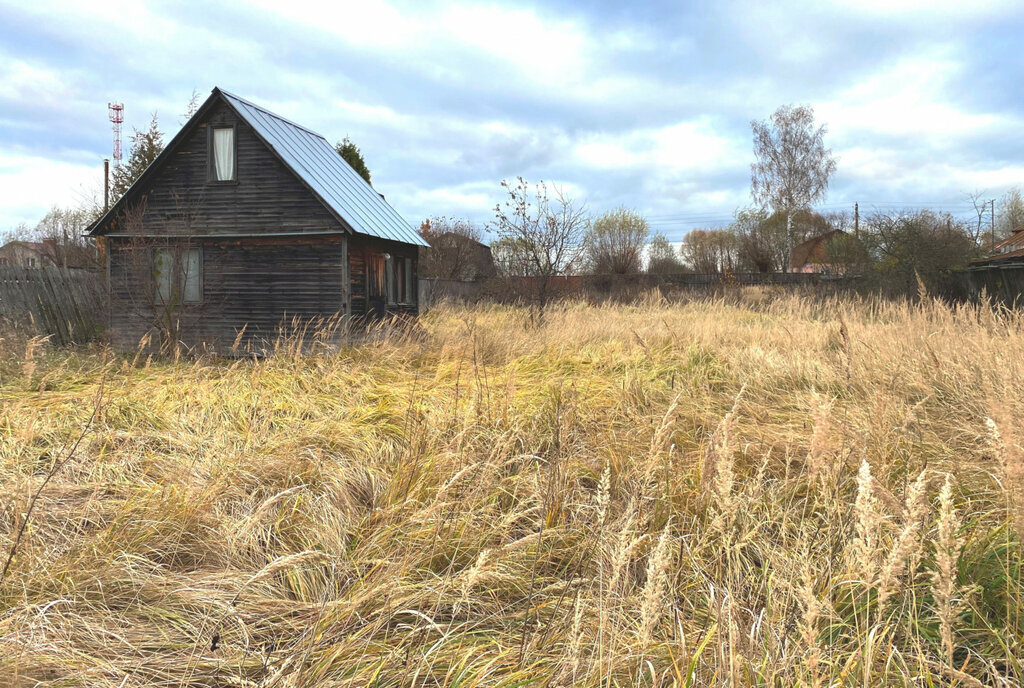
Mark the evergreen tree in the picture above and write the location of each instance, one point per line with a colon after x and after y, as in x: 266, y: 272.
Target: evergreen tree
x: 354, y: 157
x: 146, y: 145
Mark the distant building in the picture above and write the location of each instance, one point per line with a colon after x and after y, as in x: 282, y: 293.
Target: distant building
x: 29, y: 254
x: 1009, y: 250
x: 456, y: 256
x: 820, y: 254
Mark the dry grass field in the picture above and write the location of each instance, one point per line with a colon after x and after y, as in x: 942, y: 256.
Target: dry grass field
x: 756, y: 490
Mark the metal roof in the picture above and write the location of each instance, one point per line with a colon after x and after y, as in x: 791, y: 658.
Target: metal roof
x: 318, y: 164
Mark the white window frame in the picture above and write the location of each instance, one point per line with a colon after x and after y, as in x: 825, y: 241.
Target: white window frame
x: 214, y: 128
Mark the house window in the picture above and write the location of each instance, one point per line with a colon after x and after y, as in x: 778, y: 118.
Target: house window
x: 403, y: 288
x: 390, y: 264
x: 390, y: 278
x: 178, y: 275
x: 222, y: 158
x: 31, y: 262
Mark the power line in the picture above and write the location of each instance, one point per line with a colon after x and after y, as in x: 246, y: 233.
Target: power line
x: 697, y: 217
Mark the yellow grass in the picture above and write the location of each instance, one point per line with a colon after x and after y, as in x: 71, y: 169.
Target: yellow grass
x: 483, y: 501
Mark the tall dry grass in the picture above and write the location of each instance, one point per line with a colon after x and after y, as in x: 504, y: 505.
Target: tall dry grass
x: 759, y: 490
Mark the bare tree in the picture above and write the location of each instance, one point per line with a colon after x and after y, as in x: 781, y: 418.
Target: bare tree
x: 758, y: 240
x: 981, y: 211
x: 510, y: 258
x: 793, y: 165
x: 455, y: 252
x: 1009, y: 213
x: 615, y: 243
x: 190, y: 108
x: 546, y: 232
x: 65, y: 228
x: 661, y: 257
x: 710, y: 250
x: 158, y: 280
x: 909, y: 245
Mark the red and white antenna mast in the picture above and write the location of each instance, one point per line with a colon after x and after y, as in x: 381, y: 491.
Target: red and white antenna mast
x: 116, y: 112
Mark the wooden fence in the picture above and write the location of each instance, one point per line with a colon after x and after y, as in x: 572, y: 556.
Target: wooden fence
x: 432, y: 291
x: 1001, y: 283
x: 65, y: 304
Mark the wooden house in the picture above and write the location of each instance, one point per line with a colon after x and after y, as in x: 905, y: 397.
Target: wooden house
x: 822, y: 254
x: 48, y: 253
x: 246, y: 226
x: 29, y: 254
x: 1008, y: 251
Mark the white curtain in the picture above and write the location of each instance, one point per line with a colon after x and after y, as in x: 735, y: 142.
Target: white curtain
x: 191, y: 271
x: 224, y: 154
x: 163, y: 274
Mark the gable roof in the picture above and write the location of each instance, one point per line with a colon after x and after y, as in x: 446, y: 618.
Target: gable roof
x: 813, y: 250
x: 316, y: 164
x: 47, y: 249
x: 1010, y: 249
x: 1010, y: 243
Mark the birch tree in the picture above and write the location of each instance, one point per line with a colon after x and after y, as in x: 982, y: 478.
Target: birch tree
x: 792, y: 166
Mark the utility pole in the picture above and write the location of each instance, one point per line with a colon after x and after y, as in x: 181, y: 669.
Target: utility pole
x: 992, y: 203
x: 856, y: 220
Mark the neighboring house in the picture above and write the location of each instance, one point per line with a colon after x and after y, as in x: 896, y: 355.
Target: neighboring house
x: 818, y: 255
x: 248, y: 223
x: 29, y: 254
x: 1009, y: 250
x: 480, y: 259
x: 455, y: 256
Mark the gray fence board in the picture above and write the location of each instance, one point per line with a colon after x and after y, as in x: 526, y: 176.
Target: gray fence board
x: 65, y: 304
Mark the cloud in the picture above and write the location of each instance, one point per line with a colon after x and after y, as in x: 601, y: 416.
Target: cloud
x: 640, y: 104
x: 34, y: 184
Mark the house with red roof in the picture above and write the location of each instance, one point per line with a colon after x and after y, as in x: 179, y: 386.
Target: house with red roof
x: 1009, y: 250
x: 29, y: 254
x: 819, y: 255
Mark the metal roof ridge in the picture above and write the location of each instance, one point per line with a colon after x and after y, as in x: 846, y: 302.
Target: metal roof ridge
x: 312, y: 158
x: 269, y: 113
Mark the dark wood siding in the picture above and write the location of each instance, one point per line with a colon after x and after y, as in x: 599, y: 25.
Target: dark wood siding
x: 357, y: 274
x: 266, y: 197
x: 266, y: 286
x: 360, y: 248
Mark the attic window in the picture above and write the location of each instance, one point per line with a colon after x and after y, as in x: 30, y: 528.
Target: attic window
x: 222, y: 154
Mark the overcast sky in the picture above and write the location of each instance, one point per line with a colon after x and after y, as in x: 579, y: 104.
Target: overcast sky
x: 642, y: 104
